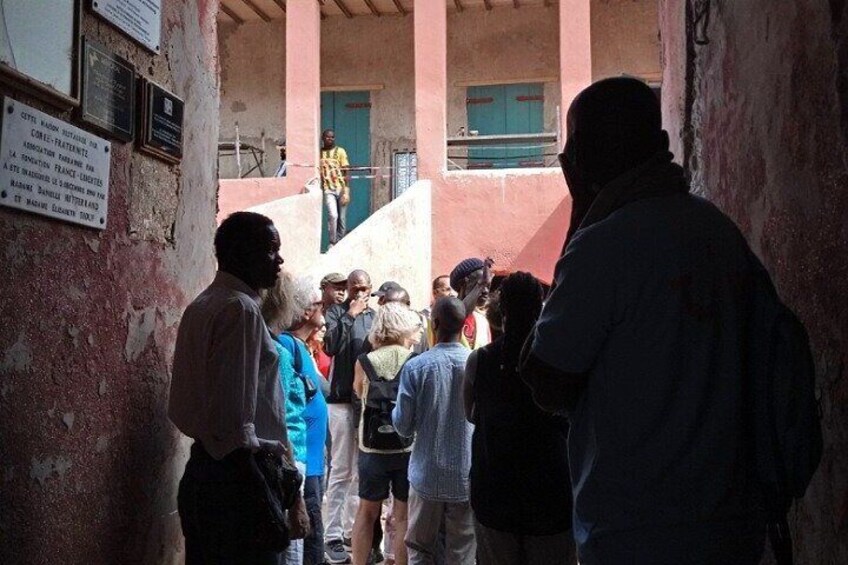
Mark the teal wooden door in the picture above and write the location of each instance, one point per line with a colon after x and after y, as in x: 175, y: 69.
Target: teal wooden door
x: 505, y: 109
x: 349, y: 115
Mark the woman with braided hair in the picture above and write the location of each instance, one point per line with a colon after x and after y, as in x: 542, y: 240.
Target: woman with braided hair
x: 520, y: 490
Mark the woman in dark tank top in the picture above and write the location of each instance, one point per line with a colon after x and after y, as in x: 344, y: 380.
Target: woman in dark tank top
x: 520, y: 487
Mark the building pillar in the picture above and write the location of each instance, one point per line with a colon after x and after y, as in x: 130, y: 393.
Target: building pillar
x: 575, y: 53
x: 430, y: 87
x: 303, y: 89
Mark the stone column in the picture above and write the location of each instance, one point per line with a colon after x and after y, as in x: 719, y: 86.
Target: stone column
x: 303, y: 89
x: 575, y: 52
x: 430, y: 87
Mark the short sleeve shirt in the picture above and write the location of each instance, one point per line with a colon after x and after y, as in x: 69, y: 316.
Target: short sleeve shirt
x: 648, y: 304
x: 333, y: 163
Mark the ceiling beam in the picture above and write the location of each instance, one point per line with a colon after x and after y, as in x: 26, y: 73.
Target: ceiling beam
x: 343, y: 8
x: 488, y: 4
x: 232, y: 15
x: 373, y: 8
x: 281, y: 4
x: 458, y: 5
x: 256, y: 10
x: 400, y: 7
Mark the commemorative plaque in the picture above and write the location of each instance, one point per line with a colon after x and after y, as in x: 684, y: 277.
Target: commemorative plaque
x: 140, y: 19
x: 49, y: 167
x: 108, y: 92
x: 161, y: 131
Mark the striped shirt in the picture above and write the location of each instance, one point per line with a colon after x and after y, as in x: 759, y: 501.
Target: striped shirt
x: 430, y: 407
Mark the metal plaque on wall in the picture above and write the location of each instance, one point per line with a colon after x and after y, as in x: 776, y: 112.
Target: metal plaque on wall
x: 49, y: 167
x: 161, y: 132
x: 140, y: 19
x: 108, y: 92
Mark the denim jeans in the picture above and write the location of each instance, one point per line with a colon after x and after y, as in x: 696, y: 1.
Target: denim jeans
x: 214, y: 515
x: 313, y: 544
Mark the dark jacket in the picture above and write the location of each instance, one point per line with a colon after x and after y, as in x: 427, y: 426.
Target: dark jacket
x: 346, y: 339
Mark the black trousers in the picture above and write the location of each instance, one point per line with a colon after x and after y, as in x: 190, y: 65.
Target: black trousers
x: 214, y: 515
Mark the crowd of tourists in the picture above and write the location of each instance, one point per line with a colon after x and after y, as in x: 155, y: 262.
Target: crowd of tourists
x: 599, y: 418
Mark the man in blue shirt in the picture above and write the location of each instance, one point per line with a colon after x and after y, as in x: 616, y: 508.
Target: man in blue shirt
x: 430, y: 407
x: 642, y: 343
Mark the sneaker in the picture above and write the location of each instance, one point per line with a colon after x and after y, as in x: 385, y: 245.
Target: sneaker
x: 347, y: 543
x: 334, y: 552
x: 376, y: 556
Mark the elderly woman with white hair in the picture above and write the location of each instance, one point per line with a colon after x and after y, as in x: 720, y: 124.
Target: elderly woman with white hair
x: 383, y: 454
x: 293, y: 311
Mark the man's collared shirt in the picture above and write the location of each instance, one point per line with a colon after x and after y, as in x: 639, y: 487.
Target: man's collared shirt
x: 429, y: 406
x: 345, y: 340
x: 225, y: 391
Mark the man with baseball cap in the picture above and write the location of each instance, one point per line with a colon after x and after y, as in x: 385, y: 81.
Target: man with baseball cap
x: 385, y: 289
x: 333, y: 289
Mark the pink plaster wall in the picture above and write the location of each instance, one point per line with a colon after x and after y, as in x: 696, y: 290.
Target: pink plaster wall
x: 89, y: 461
x: 241, y: 194
x: 519, y: 218
x: 768, y: 119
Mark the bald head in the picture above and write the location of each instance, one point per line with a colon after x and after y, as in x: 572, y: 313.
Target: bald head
x: 448, y: 318
x: 613, y: 125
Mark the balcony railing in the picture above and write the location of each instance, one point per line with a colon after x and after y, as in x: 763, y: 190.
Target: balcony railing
x: 508, y: 151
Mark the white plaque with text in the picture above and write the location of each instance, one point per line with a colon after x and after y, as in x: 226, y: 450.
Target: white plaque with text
x: 140, y: 19
x: 49, y: 167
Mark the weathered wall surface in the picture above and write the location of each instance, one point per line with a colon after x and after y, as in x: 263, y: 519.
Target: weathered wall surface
x: 89, y: 460
x: 625, y: 39
x: 767, y: 117
x: 396, y: 246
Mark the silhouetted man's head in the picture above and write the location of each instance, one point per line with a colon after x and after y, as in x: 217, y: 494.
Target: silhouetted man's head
x: 613, y: 126
x: 448, y: 318
x: 247, y: 246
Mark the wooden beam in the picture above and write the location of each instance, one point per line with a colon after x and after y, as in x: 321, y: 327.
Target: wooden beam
x: 281, y: 4
x: 458, y: 5
x: 373, y: 8
x: 400, y: 7
x: 343, y: 8
x: 256, y: 10
x: 488, y: 4
x: 232, y: 15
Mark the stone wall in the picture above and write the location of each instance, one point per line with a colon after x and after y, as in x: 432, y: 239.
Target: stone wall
x: 89, y: 459
x: 759, y: 116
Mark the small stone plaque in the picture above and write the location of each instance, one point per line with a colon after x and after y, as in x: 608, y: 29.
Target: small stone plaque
x: 49, y: 167
x: 162, y: 123
x: 108, y: 93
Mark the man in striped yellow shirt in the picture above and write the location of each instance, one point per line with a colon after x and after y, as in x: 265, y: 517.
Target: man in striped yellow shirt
x: 335, y: 182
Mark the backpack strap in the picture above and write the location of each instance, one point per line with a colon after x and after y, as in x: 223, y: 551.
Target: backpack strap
x: 368, y: 367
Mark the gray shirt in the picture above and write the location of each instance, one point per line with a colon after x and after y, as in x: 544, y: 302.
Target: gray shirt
x: 225, y: 389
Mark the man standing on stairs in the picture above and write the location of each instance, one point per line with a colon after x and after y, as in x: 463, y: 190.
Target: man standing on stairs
x: 335, y: 182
